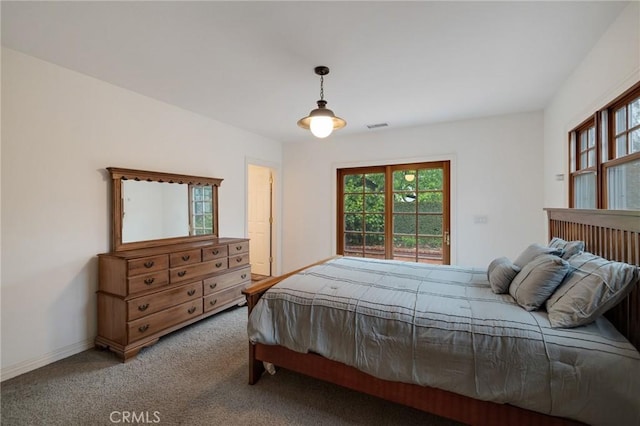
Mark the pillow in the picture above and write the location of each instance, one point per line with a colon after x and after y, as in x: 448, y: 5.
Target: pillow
x: 533, y: 251
x: 500, y: 274
x: 537, y: 280
x: 569, y: 248
x: 593, y: 286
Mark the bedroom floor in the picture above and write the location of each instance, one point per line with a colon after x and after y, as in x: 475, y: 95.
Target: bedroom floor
x: 195, y: 376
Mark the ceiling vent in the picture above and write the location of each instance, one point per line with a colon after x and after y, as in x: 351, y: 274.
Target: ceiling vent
x: 377, y: 125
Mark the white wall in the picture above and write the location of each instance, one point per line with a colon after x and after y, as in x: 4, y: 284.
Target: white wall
x: 611, y: 67
x: 496, y: 172
x: 60, y: 129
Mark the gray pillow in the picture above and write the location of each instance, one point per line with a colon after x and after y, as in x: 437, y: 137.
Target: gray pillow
x: 593, y: 286
x: 500, y: 274
x: 533, y: 251
x: 569, y: 248
x: 537, y: 281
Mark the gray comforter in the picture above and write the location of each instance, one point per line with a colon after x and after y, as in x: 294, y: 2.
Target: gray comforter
x: 443, y: 327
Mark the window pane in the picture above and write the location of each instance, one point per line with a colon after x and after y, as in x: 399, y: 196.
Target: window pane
x: 585, y: 191
x: 592, y: 157
x: 353, y: 203
x: 430, y: 202
x: 374, y: 222
x: 621, y: 146
x: 583, y: 141
x: 198, y: 208
x: 374, y: 203
x: 404, y: 248
x: 634, y: 113
x: 592, y: 137
x: 430, y: 179
x: 207, y: 193
x: 404, y: 202
x: 404, y: 224
x: 374, y: 182
x: 404, y: 180
x: 353, y: 222
x: 429, y: 224
x: 635, y: 141
x: 353, y: 183
x: 621, y: 120
x: 352, y: 242
x: 197, y: 193
x: 374, y: 244
x: 583, y: 160
x: 623, y: 186
x: 430, y: 248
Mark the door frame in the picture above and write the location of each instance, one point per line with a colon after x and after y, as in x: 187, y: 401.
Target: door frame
x: 276, y: 209
x: 453, y: 208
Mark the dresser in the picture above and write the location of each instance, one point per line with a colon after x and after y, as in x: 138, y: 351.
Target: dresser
x: 146, y: 293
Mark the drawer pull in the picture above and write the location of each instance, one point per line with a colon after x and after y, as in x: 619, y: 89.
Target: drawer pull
x: 216, y: 251
x: 185, y: 257
x: 149, y: 264
x: 192, y: 309
x: 182, y: 273
x: 143, y: 307
x: 143, y: 328
x: 149, y: 281
x: 213, y: 302
x: 191, y: 292
x: 219, y: 264
x: 239, y: 259
x: 243, y: 276
x: 212, y: 286
x: 238, y: 248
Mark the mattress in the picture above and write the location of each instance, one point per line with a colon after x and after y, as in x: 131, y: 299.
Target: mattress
x: 442, y: 326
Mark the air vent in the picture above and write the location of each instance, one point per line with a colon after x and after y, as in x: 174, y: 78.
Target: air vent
x: 377, y: 125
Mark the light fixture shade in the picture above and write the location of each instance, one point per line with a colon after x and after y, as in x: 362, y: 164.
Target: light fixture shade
x: 321, y: 121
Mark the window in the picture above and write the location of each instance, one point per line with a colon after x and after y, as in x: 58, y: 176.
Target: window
x: 201, y: 209
x: 583, y: 166
x: 605, y: 157
x: 395, y: 212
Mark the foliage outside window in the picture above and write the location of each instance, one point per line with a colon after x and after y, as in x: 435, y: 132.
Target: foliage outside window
x: 605, y: 157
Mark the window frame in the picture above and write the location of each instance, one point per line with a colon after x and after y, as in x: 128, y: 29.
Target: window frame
x: 605, y: 146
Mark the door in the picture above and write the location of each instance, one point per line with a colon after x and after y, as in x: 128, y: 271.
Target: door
x: 395, y: 212
x: 260, y: 220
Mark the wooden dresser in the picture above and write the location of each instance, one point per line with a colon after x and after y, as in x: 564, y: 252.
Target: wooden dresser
x: 146, y: 293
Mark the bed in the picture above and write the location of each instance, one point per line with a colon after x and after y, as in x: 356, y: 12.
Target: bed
x: 613, y: 342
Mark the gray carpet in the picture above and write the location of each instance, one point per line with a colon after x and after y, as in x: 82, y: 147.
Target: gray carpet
x: 195, y: 376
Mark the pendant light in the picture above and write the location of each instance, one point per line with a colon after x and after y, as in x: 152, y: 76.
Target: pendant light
x: 321, y: 121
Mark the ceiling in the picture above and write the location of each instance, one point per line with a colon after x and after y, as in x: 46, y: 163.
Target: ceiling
x: 250, y: 64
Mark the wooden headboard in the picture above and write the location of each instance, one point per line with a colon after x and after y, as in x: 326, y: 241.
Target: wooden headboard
x: 614, y: 235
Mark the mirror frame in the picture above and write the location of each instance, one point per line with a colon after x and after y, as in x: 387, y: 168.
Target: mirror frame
x: 118, y: 175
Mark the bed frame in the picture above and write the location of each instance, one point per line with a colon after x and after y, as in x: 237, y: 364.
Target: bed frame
x: 612, y: 234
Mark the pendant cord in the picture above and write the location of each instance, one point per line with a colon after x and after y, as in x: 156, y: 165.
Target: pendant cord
x: 322, y: 88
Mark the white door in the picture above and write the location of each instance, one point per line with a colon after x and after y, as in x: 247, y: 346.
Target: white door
x: 260, y: 181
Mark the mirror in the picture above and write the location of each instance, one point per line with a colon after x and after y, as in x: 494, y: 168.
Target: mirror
x: 154, y: 208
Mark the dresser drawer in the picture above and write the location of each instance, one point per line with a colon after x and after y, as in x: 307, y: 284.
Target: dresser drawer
x: 238, y: 260
x: 222, y: 281
x: 194, y: 271
x: 185, y: 258
x: 145, y: 305
x: 238, y: 248
x: 154, y: 323
x: 147, y: 282
x: 146, y: 265
x: 217, y: 252
x: 215, y: 300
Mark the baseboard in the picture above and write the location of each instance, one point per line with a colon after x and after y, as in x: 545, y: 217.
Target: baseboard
x: 26, y: 366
